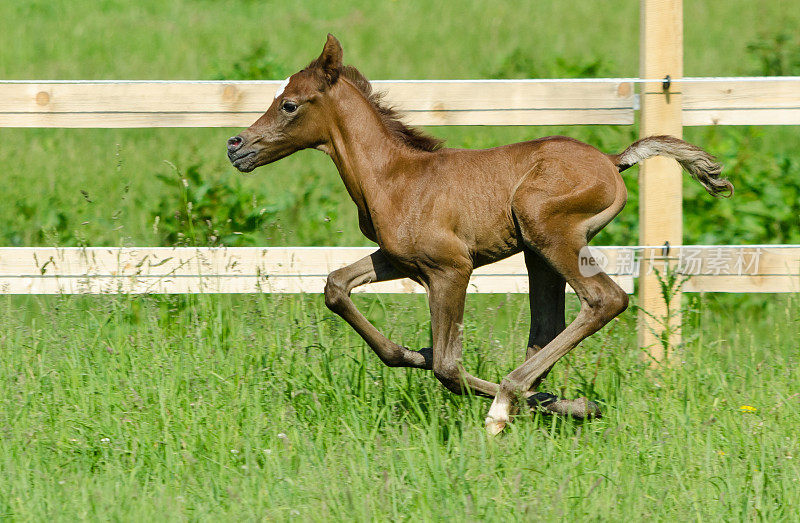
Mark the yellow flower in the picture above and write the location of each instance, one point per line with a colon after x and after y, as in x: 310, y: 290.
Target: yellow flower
x: 747, y: 408
x: 720, y: 453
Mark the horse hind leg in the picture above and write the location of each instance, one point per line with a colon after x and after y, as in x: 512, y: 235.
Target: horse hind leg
x: 547, y: 303
x: 601, y: 300
x: 559, y: 239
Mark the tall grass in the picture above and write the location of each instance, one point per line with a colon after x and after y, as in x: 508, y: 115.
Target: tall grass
x: 269, y: 407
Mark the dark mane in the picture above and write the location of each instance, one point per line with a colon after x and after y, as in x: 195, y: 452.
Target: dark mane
x: 411, y: 136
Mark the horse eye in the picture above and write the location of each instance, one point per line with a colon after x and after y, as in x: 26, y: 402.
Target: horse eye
x: 289, y: 107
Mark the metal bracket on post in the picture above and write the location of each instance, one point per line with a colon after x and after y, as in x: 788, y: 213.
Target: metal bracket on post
x: 665, y: 84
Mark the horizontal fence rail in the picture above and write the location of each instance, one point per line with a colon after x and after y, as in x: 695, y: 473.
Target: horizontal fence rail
x: 740, y: 101
x: 238, y: 104
x: 165, y: 270
x: 120, y: 104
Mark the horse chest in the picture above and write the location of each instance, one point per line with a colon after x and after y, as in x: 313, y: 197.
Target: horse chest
x: 366, y: 225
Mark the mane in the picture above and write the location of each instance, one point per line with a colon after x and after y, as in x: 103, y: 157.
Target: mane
x: 411, y: 136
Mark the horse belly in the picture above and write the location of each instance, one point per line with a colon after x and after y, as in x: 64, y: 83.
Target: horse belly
x: 494, y: 244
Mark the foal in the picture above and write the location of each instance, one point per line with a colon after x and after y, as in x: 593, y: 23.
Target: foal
x: 438, y: 213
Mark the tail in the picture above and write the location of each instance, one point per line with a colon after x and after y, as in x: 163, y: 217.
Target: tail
x: 696, y: 161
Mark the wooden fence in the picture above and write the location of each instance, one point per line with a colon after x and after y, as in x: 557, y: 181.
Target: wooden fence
x: 668, y: 102
x: 124, y: 104
x: 179, y: 270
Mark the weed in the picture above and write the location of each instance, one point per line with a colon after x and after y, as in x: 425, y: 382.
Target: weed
x: 258, y: 64
x: 777, y: 54
x: 193, y: 210
x: 670, y: 280
x: 520, y: 63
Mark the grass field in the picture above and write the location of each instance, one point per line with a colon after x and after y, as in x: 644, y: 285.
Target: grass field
x: 270, y: 407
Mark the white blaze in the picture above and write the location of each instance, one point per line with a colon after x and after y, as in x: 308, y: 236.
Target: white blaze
x: 281, y: 87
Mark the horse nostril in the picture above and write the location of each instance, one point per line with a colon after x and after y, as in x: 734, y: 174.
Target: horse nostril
x: 234, y: 143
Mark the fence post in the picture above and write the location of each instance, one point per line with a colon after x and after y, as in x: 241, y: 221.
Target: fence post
x: 660, y: 193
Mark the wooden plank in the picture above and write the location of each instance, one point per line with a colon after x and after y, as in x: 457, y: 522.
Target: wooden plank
x: 182, y: 261
x: 156, y: 270
x: 743, y: 117
x: 153, y: 120
x: 528, y: 102
x: 244, y: 285
x: 74, y: 262
x: 762, y: 101
x: 709, y: 268
x: 747, y: 284
x: 255, y: 97
x: 741, y: 102
x: 752, y: 269
x: 660, y: 179
x: 229, y: 104
x: 125, y: 120
x: 104, y: 270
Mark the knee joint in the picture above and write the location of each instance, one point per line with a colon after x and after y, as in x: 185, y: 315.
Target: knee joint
x: 335, y: 293
x: 607, y: 305
x: 449, y: 375
x: 617, y: 302
x: 510, y: 387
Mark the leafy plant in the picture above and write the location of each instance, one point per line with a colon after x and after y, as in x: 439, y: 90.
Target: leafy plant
x: 766, y: 206
x: 670, y: 281
x: 520, y: 63
x: 196, y: 211
x: 47, y: 221
x: 258, y: 64
x: 778, y: 54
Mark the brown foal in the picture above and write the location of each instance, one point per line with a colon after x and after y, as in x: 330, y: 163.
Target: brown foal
x: 438, y: 213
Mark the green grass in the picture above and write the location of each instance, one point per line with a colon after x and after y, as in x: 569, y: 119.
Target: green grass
x: 270, y: 407
x: 254, y: 407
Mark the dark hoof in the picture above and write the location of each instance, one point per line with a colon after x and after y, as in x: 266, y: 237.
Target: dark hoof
x: 427, y: 354
x: 541, y: 399
x: 580, y: 408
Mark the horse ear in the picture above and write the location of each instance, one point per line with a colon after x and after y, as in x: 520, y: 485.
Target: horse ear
x: 330, y: 61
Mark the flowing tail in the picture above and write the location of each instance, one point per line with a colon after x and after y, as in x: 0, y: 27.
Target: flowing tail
x: 696, y: 161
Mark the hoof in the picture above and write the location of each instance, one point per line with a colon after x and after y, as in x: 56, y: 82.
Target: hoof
x: 494, y: 427
x: 420, y: 359
x: 498, y: 416
x: 580, y: 408
x: 427, y: 353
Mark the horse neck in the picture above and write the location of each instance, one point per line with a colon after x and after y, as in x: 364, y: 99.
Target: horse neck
x: 360, y: 145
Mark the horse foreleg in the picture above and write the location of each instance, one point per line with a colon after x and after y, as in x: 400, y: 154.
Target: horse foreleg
x: 374, y: 268
x: 446, y: 296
